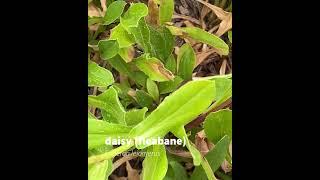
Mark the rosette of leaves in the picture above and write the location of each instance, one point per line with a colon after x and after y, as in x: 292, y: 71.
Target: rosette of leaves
x: 143, y: 90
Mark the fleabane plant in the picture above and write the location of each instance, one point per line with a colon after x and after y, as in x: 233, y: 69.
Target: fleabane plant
x: 143, y: 91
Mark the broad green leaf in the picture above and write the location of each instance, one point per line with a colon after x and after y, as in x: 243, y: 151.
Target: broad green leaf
x: 170, y: 86
x: 135, y: 116
x: 113, y: 12
x: 109, y: 102
x: 218, y: 124
x: 186, y: 61
x: 205, y: 37
x: 141, y: 35
x: 223, y: 91
x: 99, y: 130
x: 162, y: 42
x: 127, y: 53
x: 166, y: 11
x: 230, y: 36
x: 108, y: 48
x: 158, y: 43
x: 100, y: 170
x: 155, y: 165
x: 122, y: 36
x: 133, y: 15
x: 215, y: 158
x: 176, y: 171
x: 99, y: 76
x: 153, y: 68
x: 196, y: 155
x: 153, y: 90
x: 176, y: 110
x: 144, y: 99
x: 171, y: 64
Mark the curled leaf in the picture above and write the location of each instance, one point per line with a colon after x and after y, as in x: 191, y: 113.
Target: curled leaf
x: 133, y: 15
x: 113, y: 12
x: 108, y: 48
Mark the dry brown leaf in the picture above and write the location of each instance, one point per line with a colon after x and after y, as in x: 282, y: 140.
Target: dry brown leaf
x: 202, y: 143
x: 114, y: 177
x: 224, y: 16
x: 104, y: 6
x: 93, y: 11
x: 153, y: 16
x: 226, y: 166
x: 223, y: 67
x: 133, y: 174
x: 191, y: 19
x: 200, y: 57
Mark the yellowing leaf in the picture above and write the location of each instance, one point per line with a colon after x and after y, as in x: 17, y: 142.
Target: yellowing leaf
x: 127, y: 53
x: 153, y: 68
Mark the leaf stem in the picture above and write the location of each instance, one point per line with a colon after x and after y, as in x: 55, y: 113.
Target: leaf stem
x: 109, y: 154
x: 207, y: 169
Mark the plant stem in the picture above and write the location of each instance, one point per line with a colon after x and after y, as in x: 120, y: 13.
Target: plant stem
x: 108, y: 155
x: 207, y: 169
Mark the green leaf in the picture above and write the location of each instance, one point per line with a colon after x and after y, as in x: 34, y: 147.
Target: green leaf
x: 176, y: 110
x: 176, y: 171
x: 162, y: 42
x: 153, y: 90
x: 158, y: 43
x: 218, y: 124
x: 215, y: 158
x: 230, y: 36
x: 144, y: 99
x: 171, y: 64
x: 207, y: 38
x: 108, y: 48
x: 99, y: 130
x: 113, y: 12
x: 135, y: 116
x: 121, y: 66
x: 223, y: 91
x: 170, y: 86
x: 133, y: 15
x: 186, y: 61
x: 196, y: 155
x: 155, y: 165
x: 153, y: 68
x: 99, y: 76
x: 100, y: 170
x: 166, y: 10
x: 109, y: 102
x: 122, y: 36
